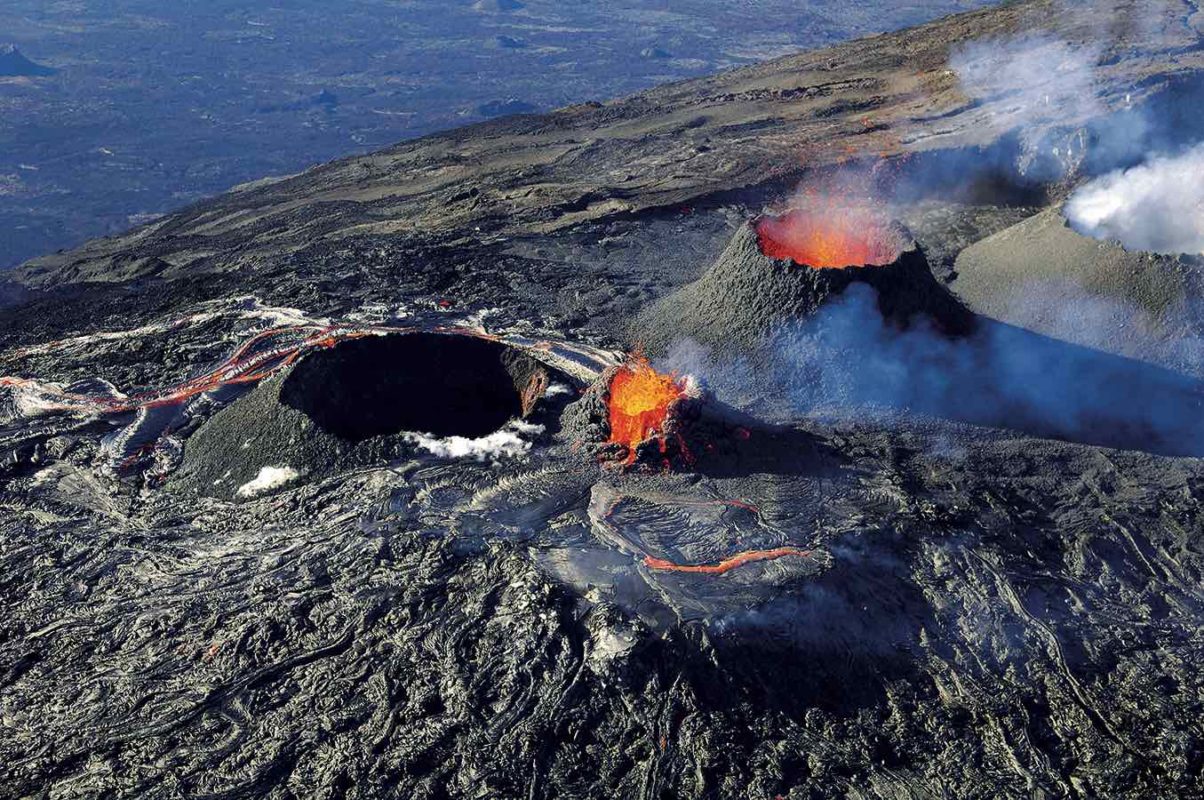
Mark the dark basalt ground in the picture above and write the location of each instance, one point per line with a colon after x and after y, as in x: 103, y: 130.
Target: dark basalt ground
x: 1000, y: 599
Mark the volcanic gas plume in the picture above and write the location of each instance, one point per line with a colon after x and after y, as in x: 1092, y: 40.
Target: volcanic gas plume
x: 1156, y: 206
x: 823, y: 239
x: 640, y: 400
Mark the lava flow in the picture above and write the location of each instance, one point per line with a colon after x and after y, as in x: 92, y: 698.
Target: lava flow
x: 830, y: 238
x: 640, y: 400
x: 727, y: 564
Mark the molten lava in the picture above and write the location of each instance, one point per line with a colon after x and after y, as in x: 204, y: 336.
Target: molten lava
x: 830, y: 238
x: 727, y: 564
x: 640, y: 398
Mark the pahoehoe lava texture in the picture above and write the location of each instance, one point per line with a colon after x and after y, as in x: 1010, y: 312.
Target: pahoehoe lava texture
x: 969, y: 611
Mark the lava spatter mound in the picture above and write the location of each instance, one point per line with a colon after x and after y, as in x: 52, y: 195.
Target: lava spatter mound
x: 777, y: 270
x: 368, y: 401
x: 637, y: 418
x: 634, y: 414
x: 641, y: 404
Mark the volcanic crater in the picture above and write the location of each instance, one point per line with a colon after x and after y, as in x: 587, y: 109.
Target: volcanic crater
x: 780, y: 269
x: 436, y: 383
x: 370, y: 399
x: 468, y: 540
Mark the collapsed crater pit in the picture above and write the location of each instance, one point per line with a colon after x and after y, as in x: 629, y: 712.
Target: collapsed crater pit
x: 441, y: 384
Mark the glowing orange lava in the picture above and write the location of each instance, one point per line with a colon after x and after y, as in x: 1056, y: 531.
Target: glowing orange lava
x: 830, y: 238
x: 640, y: 398
x: 727, y: 564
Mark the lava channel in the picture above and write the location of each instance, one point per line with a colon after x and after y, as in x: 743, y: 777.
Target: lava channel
x: 727, y: 564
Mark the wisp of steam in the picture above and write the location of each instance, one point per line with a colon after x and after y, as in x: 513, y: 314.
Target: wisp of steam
x: 1157, y: 206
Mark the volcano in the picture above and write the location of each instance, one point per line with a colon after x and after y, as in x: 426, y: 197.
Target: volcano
x: 373, y: 491
x: 368, y: 400
x: 778, y: 270
x: 1044, y: 276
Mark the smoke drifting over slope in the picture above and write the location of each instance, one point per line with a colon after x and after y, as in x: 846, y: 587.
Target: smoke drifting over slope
x: 1001, y: 376
x: 1029, y: 82
x: 847, y: 356
x: 1037, y: 77
x: 1157, y: 206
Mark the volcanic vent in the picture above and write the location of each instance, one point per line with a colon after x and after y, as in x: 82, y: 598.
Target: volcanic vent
x: 823, y: 241
x: 780, y: 268
x: 633, y: 412
x: 372, y: 399
x: 444, y: 385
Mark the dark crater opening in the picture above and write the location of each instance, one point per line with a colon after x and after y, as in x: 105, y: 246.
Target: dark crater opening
x: 441, y: 384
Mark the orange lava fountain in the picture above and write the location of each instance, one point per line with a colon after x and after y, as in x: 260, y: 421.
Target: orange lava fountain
x: 640, y: 398
x: 830, y: 238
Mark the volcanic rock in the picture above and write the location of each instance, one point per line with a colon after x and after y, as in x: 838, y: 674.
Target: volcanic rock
x: 1000, y: 613
x: 746, y: 295
x: 577, y: 165
x: 364, y: 401
x: 684, y: 540
x: 1042, y: 275
x: 698, y: 434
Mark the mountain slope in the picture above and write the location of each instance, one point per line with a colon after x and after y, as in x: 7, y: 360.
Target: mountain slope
x: 885, y: 95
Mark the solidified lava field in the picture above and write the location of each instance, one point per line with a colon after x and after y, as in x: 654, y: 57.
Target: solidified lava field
x: 509, y: 463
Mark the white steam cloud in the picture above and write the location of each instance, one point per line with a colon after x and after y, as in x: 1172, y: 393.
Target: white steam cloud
x: 269, y: 478
x: 1157, y: 206
x: 1028, y: 79
x: 1042, y: 88
x: 507, y: 442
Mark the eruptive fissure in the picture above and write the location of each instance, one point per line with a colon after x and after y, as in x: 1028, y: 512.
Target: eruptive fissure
x: 639, y: 404
x: 827, y: 240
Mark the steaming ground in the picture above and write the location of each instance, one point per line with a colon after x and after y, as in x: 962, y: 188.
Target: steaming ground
x: 995, y: 576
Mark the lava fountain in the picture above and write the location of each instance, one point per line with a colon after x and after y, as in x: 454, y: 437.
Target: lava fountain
x: 639, y: 404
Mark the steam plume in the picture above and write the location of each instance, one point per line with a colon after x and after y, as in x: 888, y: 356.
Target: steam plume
x: 1158, y: 206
